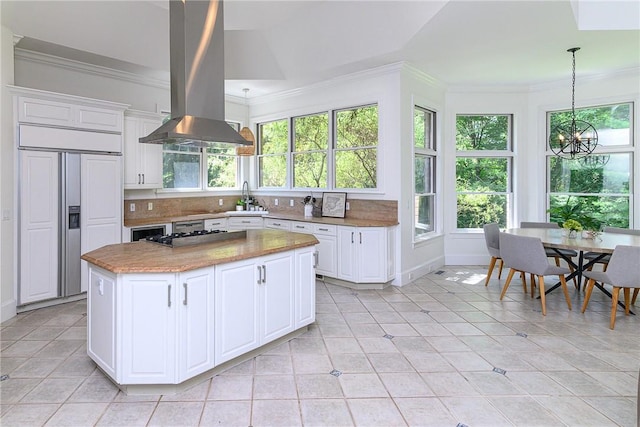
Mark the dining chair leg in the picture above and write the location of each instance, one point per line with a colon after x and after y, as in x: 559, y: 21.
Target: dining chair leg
x: 635, y: 296
x: 507, y: 283
x: 542, y: 295
x: 533, y: 284
x: 614, y: 306
x: 492, y: 264
x: 627, y: 300
x: 563, y: 282
x: 587, y: 295
x: 500, y: 271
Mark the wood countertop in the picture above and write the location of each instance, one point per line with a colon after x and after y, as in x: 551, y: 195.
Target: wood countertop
x: 148, y: 257
x: 274, y: 215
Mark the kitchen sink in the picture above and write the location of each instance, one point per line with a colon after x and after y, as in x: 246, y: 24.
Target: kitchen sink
x: 247, y: 213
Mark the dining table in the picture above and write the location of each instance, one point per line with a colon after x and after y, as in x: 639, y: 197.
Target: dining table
x: 558, y: 238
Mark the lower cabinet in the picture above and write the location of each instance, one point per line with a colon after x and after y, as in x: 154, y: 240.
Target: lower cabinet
x: 164, y: 328
x: 254, y: 304
x: 365, y: 254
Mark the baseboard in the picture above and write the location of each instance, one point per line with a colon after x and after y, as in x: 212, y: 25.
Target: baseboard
x: 8, y: 310
x: 467, y: 260
x: 417, y: 272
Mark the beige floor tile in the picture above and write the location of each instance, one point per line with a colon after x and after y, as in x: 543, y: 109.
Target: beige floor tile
x: 524, y: 411
x: 351, y: 363
x: 125, y: 414
x: 13, y: 333
x: 335, y: 330
x: 275, y: 413
x: 574, y: 411
x: 474, y: 411
x: 307, y: 345
x: 60, y: 348
x: 227, y: 413
x: 325, y: 412
x: 621, y: 382
x: 492, y: 384
x: 318, y: 386
x: 95, y: 389
x: 377, y: 345
x: 24, y: 348
x: 273, y: 364
x: 80, y: 366
x: 177, y: 414
x: 537, y: 384
x: 362, y: 386
x: 405, y: 384
x: 64, y: 320
x: 446, y: 384
x: 375, y: 412
x: 74, y: 333
x: 342, y: 345
x: 467, y: 361
x: 311, y: 363
x: 366, y: 330
x: 36, y: 368
x: 447, y: 343
x: 44, y: 333
x: 77, y: 414
x: 508, y: 361
x: 14, y: 389
x: 28, y: 415
x: 389, y: 362
x: 231, y: 387
x: 582, y: 384
x: 428, y: 362
x: 52, y: 390
x: 620, y: 410
x: 274, y: 387
x: 425, y: 411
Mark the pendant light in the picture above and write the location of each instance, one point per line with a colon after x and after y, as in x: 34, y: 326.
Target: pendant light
x: 573, y: 139
x: 245, y: 132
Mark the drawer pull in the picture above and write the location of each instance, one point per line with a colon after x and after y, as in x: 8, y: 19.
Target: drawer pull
x: 259, y: 274
x: 169, y: 296
x: 184, y: 302
x: 323, y: 229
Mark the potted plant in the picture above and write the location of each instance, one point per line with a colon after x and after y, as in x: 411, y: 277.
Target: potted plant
x: 239, y: 205
x: 573, y: 226
x: 309, y: 203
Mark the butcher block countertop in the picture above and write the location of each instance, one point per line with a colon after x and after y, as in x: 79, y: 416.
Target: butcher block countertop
x: 291, y: 217
x: 149, y: 257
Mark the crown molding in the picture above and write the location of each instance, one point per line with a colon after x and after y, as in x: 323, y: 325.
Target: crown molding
x: 83, y: 67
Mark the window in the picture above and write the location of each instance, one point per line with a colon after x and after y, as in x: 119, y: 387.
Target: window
x: 424, y: 157
x: 595, y: 190
x: 310, y: 146
x: 343, y: 159
x: 273, y: 141
x: 484, y: 156
x: 194, y: 168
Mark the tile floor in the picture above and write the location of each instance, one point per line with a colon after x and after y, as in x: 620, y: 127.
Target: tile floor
x: 442, y: 351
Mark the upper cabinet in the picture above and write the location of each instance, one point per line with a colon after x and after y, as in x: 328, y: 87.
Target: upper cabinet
x: 142, y: 162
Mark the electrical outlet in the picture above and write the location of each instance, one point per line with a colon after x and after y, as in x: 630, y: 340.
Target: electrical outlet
x: 219, y: 202
x: 291, y: 202
x: 275, y: 202
x: 132, y: 207
x: 347, y: 206
x: 150, y: 206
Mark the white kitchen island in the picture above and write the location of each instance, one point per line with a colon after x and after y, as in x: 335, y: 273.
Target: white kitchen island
x: 161, y: 319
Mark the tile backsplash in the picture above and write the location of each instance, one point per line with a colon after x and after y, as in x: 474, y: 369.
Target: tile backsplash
x: 181, y: 206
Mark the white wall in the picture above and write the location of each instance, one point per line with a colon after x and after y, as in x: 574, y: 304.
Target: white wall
x: 7, y: 206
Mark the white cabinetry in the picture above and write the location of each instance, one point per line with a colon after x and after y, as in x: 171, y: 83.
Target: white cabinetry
x: 101, y: 201
x: 277, y: 224
x: 147, y: 315
x: 142, y: 162
x: 215, y: 224
x: 254, y: 304
x: 305, y: 291
x: 365, y: 254
x: 327, y: 257
x: 195, y: 322
x: 244, y: 223
x: 39, y: 226
x: 101, y: 325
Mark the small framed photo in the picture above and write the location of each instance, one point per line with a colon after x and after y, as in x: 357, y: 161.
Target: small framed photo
x: 333, y: 204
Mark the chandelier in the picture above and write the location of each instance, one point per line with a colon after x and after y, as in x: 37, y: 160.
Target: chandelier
x: 573, y: 139
x: 245, y: 132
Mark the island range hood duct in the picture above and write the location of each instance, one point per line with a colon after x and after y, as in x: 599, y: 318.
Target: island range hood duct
x: 196, y: 33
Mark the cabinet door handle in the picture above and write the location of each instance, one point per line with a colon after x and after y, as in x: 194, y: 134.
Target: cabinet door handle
x: 277, y: 224
x: 100, y: 286
x: 299, y: 226
x: 138, y: 178
x: 246, y: 222
x: 323, y: 229
x: 264, y: 274
x: 352, y: 237
x: 184, y: 302
x: 169, y: 296
x: 259, y: 274
x: 360, y: 237
x: 143, y: 178
x: 316, y: 255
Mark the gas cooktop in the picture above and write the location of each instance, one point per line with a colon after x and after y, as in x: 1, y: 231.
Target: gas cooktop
x: 196, y: 237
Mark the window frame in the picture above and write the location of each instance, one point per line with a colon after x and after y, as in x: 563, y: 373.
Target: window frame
x: 628, y: 148
x: 330, y: 153
x: 508, y: 154
x: 428, y: 151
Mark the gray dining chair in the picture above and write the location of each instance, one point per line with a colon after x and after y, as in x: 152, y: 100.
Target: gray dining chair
x: 492, y: 239
x: 623, y: 272
x: 590, y: 256
x: 527, y: 255
x: 551, y: 253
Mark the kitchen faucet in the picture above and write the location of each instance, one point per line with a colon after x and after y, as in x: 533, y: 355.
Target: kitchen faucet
x: 245, y: 194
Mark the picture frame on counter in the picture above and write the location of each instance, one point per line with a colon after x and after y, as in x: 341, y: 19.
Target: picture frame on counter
x: 333, y: 204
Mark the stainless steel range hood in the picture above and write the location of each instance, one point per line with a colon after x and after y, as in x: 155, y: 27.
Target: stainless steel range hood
x: 196, y: 33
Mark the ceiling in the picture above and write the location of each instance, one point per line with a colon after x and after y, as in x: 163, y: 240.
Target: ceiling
x: 273, y: 46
